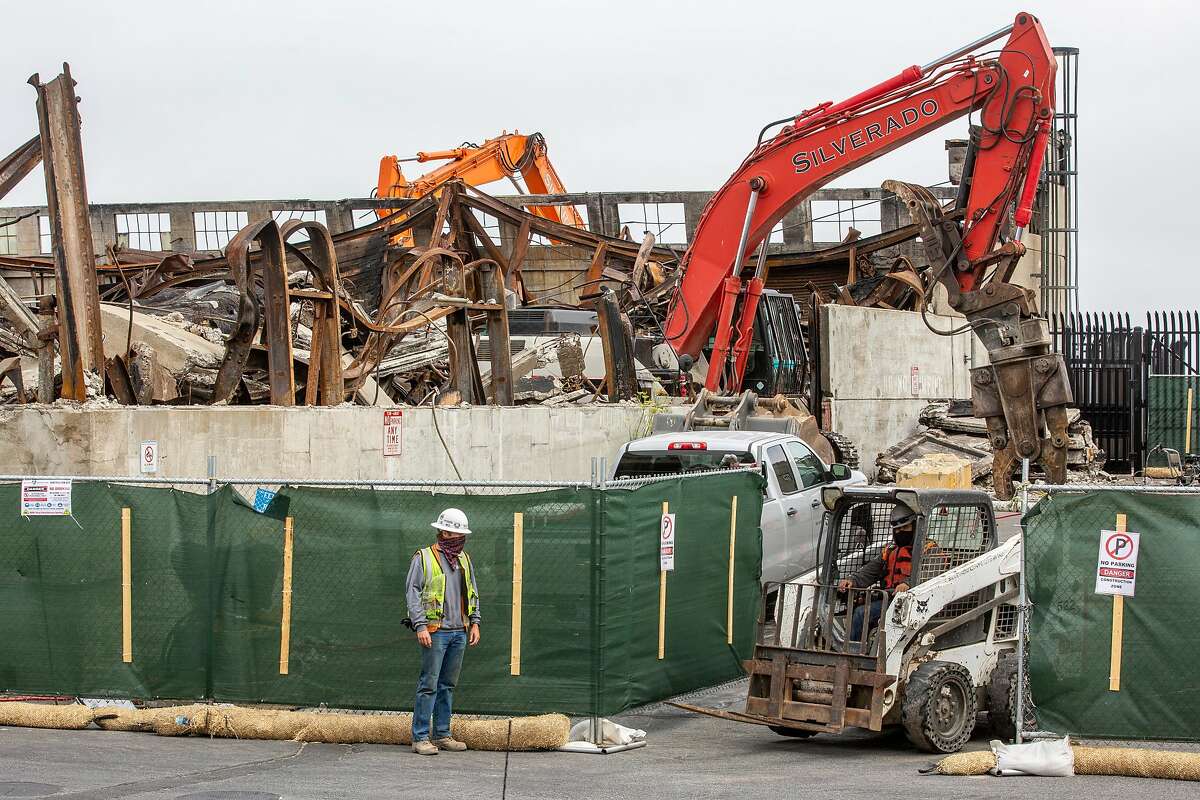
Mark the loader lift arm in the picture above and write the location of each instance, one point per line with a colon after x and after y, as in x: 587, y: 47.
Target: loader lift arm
x: 1024, y: 390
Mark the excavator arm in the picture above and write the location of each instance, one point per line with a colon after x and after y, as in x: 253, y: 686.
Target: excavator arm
x: 505, y: 156
x: 1024, y: 390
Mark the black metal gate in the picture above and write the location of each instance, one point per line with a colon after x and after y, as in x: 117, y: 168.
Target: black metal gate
x: 1103, y: 354
x: 1113, y: 365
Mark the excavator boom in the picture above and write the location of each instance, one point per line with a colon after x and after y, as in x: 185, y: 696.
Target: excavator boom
x: 1024, y: 389
x: 506, y: 156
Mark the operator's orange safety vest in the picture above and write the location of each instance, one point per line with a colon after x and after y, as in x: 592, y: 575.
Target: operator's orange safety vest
x: 897, y: 563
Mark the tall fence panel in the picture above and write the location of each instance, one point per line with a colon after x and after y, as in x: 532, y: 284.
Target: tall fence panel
x: 1130, y: 381
x: 692, y: 607
x: 1103, y: 354
x: 1107, y: 668
x: 61, y: 594
x: 302, y: 604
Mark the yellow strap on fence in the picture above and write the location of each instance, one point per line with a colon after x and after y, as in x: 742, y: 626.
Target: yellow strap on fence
x: 1118, y: 628
x: 285, y: 626
x: 518, y: 566
x: 732, y: 543
x: 126, y: 586
x: 662, y: 604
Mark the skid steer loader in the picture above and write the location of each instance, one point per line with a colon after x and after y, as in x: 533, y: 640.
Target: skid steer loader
x: 941, y: 651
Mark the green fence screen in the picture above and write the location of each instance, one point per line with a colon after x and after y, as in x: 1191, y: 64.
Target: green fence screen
x: 207, y: 595
x: 1071, y: 630
x: 1167, y: 411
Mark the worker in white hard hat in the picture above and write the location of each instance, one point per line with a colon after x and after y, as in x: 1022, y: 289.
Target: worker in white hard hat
x: 443, y: 607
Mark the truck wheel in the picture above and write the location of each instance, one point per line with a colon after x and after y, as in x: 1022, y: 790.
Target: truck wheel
x: 1002, y: 698
x: 843, y: 449
x: 939, y: 707
x: 796, y: 733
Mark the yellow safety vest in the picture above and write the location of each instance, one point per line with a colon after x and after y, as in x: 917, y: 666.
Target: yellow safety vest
x: 433, y: 591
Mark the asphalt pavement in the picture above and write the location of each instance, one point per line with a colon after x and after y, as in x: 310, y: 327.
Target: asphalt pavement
x: 688, y: 756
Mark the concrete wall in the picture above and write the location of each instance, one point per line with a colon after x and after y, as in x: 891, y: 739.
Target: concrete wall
x: 487, y: 442
x: 869, y: 356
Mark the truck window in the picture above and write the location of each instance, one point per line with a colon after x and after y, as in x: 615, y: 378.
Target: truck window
x: 807, y: 465
x: 782, y: 468
x: 635, y: 464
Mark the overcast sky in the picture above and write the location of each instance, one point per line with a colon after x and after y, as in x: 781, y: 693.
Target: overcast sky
x: 239, y: 100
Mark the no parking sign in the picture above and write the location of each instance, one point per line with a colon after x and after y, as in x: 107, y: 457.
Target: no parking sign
x: 1116, y: 567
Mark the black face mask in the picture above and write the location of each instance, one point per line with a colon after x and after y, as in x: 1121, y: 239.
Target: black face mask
x: 902, y: 537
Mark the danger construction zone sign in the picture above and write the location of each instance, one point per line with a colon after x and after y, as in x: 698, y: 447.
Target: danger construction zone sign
x: 1116, y: 567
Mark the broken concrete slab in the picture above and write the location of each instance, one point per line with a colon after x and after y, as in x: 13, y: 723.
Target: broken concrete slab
x: 936, y: 471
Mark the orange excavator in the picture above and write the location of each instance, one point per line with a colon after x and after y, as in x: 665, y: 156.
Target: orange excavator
x: 506, y: 156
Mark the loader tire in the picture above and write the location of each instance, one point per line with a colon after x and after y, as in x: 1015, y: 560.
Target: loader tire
x: 795, y: 733
x: 938, y: 711
x: 1002, y: 698
x: 844, y: 449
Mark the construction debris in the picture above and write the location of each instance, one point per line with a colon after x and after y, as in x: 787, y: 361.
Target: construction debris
x: 949, y: 430
x: 290, y: 314
x: 436, y: 321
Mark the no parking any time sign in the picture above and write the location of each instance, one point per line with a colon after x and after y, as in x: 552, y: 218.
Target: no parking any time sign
x: 1116, y: 568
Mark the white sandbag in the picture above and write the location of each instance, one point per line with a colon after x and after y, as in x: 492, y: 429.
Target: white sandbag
x: 610, y: 733
x: 1049, y: 759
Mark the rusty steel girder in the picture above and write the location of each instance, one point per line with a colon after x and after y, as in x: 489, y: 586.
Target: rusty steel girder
x: 277, y: 329
x: 78, y: 293
x: 1023, y: 393
x: 325, y: 383
x: 19, y: 163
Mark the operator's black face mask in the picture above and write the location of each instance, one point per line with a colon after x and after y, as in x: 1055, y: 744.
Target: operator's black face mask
x: 903, y: 537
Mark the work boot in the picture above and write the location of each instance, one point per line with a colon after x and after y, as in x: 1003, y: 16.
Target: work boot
x: 450, y: 743
x: 425, y: 748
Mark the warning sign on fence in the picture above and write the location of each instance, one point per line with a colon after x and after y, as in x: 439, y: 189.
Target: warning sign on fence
x: 149, y: 451
x: 42, y: 498
x: 666, y: 543
x: 1116, y: 568
x: 393, y: 432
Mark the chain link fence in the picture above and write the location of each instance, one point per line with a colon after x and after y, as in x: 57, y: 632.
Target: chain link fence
x: 1103, y: 665
x: 186, y: 589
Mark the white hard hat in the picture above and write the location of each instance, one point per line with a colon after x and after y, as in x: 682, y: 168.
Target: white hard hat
x: 452, y: 521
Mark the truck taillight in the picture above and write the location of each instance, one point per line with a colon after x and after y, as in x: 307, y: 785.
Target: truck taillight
x: 687, y: 446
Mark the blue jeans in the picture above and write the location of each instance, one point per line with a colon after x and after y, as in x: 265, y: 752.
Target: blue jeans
x: 864, y: 619
x: 440, y: 664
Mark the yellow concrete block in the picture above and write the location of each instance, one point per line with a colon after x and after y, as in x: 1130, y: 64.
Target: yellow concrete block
x: 936, y: 471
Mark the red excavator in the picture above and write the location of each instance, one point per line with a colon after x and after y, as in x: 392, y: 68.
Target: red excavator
x: 972, y: 247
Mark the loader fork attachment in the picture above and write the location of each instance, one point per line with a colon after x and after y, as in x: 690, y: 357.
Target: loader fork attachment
x: 1023, y: 393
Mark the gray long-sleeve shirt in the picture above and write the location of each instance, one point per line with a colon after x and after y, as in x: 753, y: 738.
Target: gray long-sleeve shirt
x: 455, y: 583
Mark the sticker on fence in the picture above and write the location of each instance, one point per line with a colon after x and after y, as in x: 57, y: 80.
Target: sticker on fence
x: 666, y: 543
x: 262, y: 500
x: 42, y: 498
x: 393, y: 432
x: 1116, y: 568
x: 149, y: 451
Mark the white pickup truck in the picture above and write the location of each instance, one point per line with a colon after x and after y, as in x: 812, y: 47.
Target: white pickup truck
x: 791, y: 512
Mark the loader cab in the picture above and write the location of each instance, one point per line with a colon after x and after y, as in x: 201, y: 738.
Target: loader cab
x: 952, y: 527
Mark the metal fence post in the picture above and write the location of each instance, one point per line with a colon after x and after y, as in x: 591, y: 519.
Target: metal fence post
x: 211, y: 546
x: 1022, y: 609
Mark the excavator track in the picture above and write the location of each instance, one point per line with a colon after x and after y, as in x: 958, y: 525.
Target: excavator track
x: 844, y: 449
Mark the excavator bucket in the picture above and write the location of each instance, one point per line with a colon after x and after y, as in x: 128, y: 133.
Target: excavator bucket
x: 1023, y: 393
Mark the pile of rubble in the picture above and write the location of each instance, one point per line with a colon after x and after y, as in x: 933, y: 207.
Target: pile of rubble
x: 412, y: 308
x: 947, y: 427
